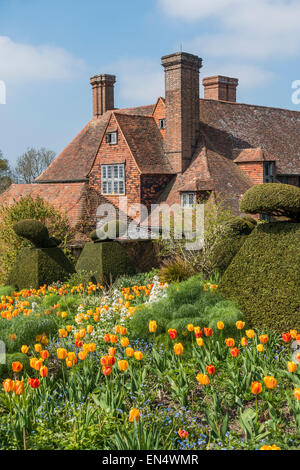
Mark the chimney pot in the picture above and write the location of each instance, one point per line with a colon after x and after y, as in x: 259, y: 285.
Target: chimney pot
x: 103, y: 93
x: 220, y: 88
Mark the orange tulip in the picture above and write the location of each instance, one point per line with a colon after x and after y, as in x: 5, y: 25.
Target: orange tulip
x: 172, y: 333
x: 190, y: 327
x: 264, y: 339
x: 24, y: 349
x: 89, y: 329
x: 260, y: 348
x: 210, y: 369
x: 8, y: 385
x: 256, y: 388
x: 82, y: 355
x: 138, y: 355
x: 44, y: 354
x: 134, y: 414
x: 107, y: 370
x: 178, y: 349
x: 208, y: 331
x: 250, y: 334
x: 123, y: 364
x: 17, y: 366
x: 292, y: 366
x: 124, y: 342
x: 19, y: 387
x: 244, y: 341
x: 234, y: 352
x: 38, y: 347
x: 270, y: 381
x: 113, y: 339
x: 220, y: 325
x: 200, y: 341
x: 240, y: 325
x: 230, y: 342
x: 297, y: 393
x: 61, y: 353
x: 44, y: 371
x: 112, y: 351
x: 203, y: 379
x: 129, y: 352
x: 152, y: 326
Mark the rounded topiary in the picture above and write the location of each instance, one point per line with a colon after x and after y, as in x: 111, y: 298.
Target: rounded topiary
x: 275, y: 199
x: 111, y: 230
x: 35, y: 232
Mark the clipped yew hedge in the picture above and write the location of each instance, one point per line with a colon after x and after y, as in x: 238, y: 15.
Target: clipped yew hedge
x: 275, y: 199
x: 264, y: 276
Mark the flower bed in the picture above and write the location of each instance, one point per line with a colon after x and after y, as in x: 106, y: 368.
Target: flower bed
x: 81, y: 381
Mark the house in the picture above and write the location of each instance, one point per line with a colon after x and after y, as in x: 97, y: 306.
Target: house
x: 181, y: 149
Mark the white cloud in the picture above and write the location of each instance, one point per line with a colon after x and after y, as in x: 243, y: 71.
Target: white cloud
x: 139, y: 81
x: 256, y: 29
x: 22, y: 62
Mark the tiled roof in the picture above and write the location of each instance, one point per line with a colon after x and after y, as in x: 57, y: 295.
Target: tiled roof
x: 145, y: 142
x: 75, y: 161
x: 254, y: 155
x: 228, y: 126
x: 68, y: 198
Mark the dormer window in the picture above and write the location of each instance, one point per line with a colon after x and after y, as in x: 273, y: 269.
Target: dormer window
x: 112, y: 138
x: 113, y: 179
x: 188, y: 200
x: 162, y: 123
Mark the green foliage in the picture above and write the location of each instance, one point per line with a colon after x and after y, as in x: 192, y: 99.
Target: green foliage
x: 6, y: 370
x: 6, y: 290
x: 28, y: 208
x: 186, y: 302
x: 264, y: 276
x: 139, y: 279
x: 105, y: 260
x: 176, y: 270
x: 34, y: 231
x: 5, y: 174
x: 235, y: 233
x: 35, y: 267
x: 26, y: 329
x: 274, y: 199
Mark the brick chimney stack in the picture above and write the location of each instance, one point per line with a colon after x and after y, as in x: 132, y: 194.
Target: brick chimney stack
x: 103, y: 93
x: 220, y: 88
x: 182, y: 107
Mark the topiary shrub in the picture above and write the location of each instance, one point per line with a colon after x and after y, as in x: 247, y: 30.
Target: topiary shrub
x: 28, y: 208
x: 106, y: 261
x: 276, y: 199
x: 34, y: 231
x: 35, y: 267
x: 264, y: 276
x: 235, y: 233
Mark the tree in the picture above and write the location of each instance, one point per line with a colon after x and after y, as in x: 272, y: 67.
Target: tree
x: 5, y: 174
x: 32, y: 163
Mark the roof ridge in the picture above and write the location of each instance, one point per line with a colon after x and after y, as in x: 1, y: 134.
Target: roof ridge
x: 250, y: 105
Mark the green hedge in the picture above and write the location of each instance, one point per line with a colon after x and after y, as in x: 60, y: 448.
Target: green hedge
x: 272, y: 199
x: 264, y: 276
x: 35, y: 267
x: 236, y: 231
x: 106, y: 260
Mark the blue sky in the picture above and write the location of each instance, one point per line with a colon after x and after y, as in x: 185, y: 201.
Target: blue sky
x: 48, y: 51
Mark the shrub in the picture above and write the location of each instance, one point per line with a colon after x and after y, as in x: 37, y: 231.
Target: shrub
x: 264, y: 276
x: 34, y: 231
x: 28, y: 208
x: 176, y: 270
x: 35, y: 267
x: 105, y: 260
x: 186, y: 302
x: 26, y: 329
x: 6, y: 290
x: 276, y: 199
x: 111, y: 230
x: 235, y: 233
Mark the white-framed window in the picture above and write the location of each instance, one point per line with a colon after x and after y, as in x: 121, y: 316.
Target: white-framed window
x: 162, y: 123
x: 112, y: 138
x: 188, y: 199
x: 113, y: 179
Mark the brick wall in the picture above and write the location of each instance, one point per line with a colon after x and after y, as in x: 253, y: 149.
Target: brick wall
x: 255, y: 170
x: 160, y: 113
x: 110, y: 154
x: 182, y: 107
